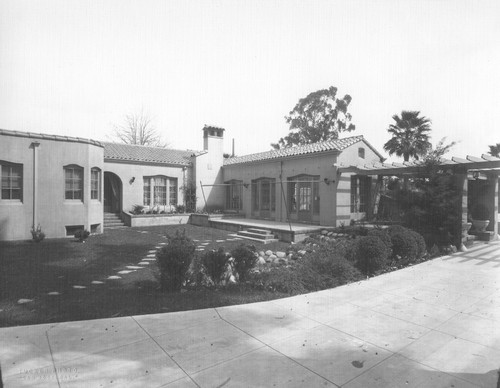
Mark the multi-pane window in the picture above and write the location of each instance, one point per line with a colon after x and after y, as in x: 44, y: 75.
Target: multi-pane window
x: 95, y: 184
x: 233, y: 195
x: 147, y: 191
x: 12, y: 182
x: 73, y: 182
x: 172, y: 192
x: 159, y: 191
x: 360, y: 193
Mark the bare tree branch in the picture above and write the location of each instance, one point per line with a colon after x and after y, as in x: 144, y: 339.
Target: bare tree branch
x: 137, y: 128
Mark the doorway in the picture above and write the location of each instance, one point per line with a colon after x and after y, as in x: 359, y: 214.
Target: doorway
x: 112, y: 193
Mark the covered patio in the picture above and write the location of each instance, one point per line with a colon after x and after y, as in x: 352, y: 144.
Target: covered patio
x: 476, y: 182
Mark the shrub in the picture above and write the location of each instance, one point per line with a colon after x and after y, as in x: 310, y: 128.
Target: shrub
x: 37, y: 233
x: 174, y: 259
x: 404, y: 245
x: 180, y: 208
x: 244, y: 260
x: 137, y: 209
x: 322, y: 270
x: 82, y: 234
x: 383, y: 235
x: 280, y: 279
x: 371, y: 254
x: 214, y: 263
x: 421, y: 246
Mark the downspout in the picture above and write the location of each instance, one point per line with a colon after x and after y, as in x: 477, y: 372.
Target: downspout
x: 34, y: 145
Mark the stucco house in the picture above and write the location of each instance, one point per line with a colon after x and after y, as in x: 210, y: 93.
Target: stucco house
x: 65, y: 183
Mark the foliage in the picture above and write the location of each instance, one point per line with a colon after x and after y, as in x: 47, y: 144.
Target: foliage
x: 189, y: 191
x: 37, y: 233
x: 410, y: 135
x: 280, y: 279
x: 371, y: 254
x: 137, y: 209
x: 495, y: 150
x: 244, y: 260
x: 174, y: 259
x: 430, y: 206
x: 180, y: 209
x: 82, y: 234
x: 138, y: 129
x: 214, y: 262
x: 480, y: 212
x: 421, y: 245
x: 383, y: 235
x: 318, y: 117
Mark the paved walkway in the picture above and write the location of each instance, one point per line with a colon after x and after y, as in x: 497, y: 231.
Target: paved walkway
x: 436, y: 324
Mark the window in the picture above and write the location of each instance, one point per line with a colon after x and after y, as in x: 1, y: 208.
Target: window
x: 303, y: 194
x: 264, y: 194
x: 360, y: 193
x: 159, y: 191
x: 95, y: 184
x: 147, y: 191
x: 12, y: 181
x: 73, y: 176
x: 172, y: 192
x: 233, y: 195
x: 361, y: 152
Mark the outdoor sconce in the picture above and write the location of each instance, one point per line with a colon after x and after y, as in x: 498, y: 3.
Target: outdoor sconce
x: 245, y: 185
x: 475, y: 174
x: 327, y: 181
x: 132, y: 180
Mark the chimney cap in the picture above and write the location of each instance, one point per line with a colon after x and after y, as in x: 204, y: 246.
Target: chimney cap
x: 208, y: 127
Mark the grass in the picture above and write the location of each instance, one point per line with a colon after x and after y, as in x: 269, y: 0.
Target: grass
x: 30, y: 271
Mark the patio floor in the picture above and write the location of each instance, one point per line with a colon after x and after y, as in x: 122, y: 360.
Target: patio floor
x: 436, y: 324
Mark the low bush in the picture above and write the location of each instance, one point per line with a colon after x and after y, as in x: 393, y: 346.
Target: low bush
x: 383, y: 235
x: 421, y: 246
x: 82, y: 234
x: 137, y: 209
x: 37, y: 233
x: 404, y: 246
x: 244, y: 260
x: 215, y: 262
x: 279, y: 279
x: 174, y: 260
x: 371, y: 254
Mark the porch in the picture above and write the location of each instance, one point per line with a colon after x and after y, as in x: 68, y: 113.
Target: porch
x: 288, y: 232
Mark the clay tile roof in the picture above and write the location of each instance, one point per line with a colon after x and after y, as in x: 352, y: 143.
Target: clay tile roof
x: 143, y: 154
x: 44, y: 136
x: 329, y: 145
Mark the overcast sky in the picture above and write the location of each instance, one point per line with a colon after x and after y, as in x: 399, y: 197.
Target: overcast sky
x: 77, y: 67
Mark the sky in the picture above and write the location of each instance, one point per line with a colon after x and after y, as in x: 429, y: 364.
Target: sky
x: 76, y: 68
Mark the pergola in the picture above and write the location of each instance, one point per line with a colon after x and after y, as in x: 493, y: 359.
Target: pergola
x: 486, y: 167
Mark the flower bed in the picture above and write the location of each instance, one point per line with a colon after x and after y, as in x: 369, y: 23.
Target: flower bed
x: 154, y: 219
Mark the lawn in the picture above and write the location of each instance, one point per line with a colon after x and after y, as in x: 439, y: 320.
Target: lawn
x: 66, y: 280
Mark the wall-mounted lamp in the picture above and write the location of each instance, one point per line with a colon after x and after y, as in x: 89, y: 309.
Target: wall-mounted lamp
x: 328, y: 181
x: 475, y: 174
x: 245, y: 185
x: 132, y: 180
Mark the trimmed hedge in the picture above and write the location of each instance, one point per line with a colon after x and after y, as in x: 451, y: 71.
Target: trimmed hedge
x: 214, y: 263
x: 244, y: 260
x: 371, y: 254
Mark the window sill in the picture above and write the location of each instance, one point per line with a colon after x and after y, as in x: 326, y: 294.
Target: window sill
x: 73, y: 202
x: 11, y: 202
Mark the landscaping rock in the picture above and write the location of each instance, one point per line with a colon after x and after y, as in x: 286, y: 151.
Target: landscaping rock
x: 302, y: 252
x: 261, y: 253
x: 324, y: 231
x: 268, y: 259
x: 269, y: 253
x: 261, y: 261
x: 280, y: 254
x: 273, y: 256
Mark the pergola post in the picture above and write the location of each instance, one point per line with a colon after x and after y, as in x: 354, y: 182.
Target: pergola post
x: 492, y: 198
x: 462, y: 185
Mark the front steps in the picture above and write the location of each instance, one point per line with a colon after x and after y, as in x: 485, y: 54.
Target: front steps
x: 259, y: 235
x: 112, y: 220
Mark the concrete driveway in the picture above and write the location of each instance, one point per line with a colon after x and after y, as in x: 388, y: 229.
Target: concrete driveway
x: 436, y: 324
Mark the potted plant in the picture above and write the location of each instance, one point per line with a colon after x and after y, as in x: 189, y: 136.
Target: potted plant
x: 37, y: 233
x: 480, y: 217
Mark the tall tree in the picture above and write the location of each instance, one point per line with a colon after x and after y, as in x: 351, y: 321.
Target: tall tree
x: 495, y: 150
x: 137, y: 128
x: 410, y: 135
x: 318, y: 117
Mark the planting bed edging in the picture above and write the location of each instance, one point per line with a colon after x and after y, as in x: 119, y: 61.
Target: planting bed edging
x: 154, y: 219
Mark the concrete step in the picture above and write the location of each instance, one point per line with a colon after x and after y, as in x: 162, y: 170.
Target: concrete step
x: 111, y: 224
x: 255, y: 235
x: 262, y: 241
x: 259, y: 231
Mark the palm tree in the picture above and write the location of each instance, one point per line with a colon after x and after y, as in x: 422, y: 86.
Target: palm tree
x: 495, y: 150
x: 410, y: 136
